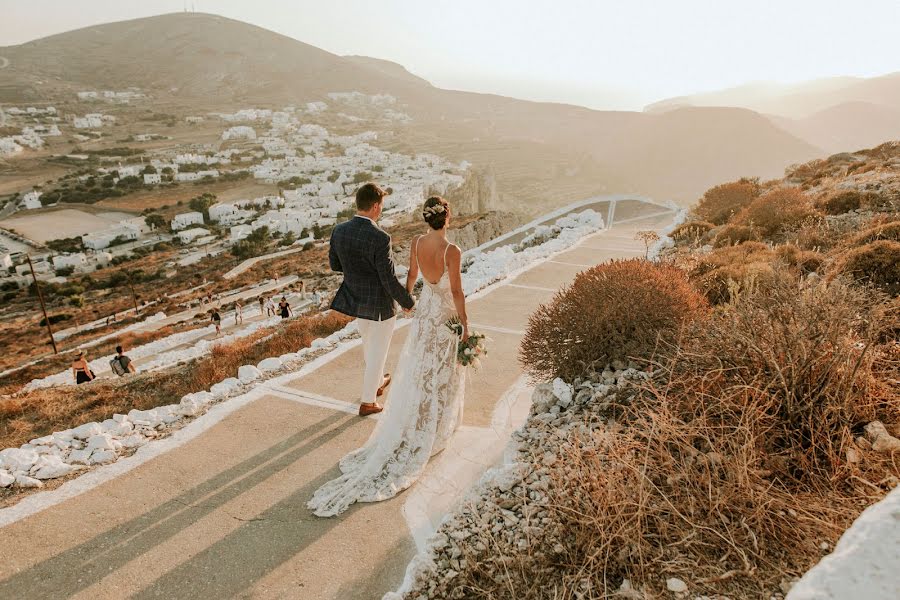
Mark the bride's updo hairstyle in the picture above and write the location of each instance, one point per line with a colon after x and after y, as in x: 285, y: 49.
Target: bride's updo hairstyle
x: 435, y: 212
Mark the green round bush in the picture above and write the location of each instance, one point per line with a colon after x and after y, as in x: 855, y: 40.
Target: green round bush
x: 877, y: 263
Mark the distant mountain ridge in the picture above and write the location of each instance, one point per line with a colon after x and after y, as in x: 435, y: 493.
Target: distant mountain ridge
x: 539, y: 155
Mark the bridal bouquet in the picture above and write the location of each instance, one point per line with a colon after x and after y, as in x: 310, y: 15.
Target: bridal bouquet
x: 468, y: 352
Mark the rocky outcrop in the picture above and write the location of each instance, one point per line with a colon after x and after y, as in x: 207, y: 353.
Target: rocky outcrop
x: 477, y: 193
x: 484, y: 229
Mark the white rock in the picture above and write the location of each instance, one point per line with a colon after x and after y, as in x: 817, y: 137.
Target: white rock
x: 864, y: 561
x: 43, y: 441
x: 101, y: 457
x: 269, y: 364
x: 17, y: 459
x: 28, y: 482
x: 290, y: 357
x: 100, y: 442
x: 167, y: 414
x: 206, y: 397
x: 51, y: 467
x: 217, y: 390
x: 87, y: 430
x: 79, y: 457
x: 134, y: 440
x: 190, y: 407
x: 117, y: 428
x: 67, y: 435
x: 248, y: 374
x: 882, y: 441
x: 673, y: 584
x: 6, y: 479
x: 142, y: 417
x: 119, y: 418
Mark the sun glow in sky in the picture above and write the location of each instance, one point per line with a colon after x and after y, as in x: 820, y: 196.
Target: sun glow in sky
x: 602, y: 53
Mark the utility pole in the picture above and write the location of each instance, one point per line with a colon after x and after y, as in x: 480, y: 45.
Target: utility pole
x: 43, y: 307
x: 133, y: 296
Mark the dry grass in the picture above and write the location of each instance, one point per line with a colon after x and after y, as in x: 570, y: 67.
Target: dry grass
x: 614, y: 311
x: 730, y: 467
x: 692, y: 231
x: 24, y: 417
x: 732, y: 235
x: 726, y: 271
x: 776, y: 210
x: 721, y: 202
x: 877, y: 263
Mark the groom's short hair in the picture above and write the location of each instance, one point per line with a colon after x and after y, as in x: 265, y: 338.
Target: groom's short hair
x: 369, y: 194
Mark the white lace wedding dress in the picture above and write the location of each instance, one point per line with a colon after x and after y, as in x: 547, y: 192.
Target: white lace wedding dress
x: 423, y: 410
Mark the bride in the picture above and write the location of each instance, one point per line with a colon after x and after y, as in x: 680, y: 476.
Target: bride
x: 426, y: 401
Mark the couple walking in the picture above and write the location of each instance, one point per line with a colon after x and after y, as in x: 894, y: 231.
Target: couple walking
x: 427, y: 395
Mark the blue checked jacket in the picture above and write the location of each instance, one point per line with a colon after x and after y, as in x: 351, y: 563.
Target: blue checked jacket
x: 362, y: 252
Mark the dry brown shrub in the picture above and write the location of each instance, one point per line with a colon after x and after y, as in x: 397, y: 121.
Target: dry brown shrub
x: 841, y: 202
x: 732, y: 235
x: 728, y: 270
x: 776, y: 210
x: 721, y: 202
x: 884, y: 231
x: 877, y: 263
x: 614, y: 311
x: 804, y: 261
x: 692, y: 231
x: 730, y: 467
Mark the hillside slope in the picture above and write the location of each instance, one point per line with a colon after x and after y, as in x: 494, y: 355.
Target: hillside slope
x: 539, y: 155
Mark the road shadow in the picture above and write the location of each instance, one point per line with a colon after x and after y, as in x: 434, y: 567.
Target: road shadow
x: 78, y: 568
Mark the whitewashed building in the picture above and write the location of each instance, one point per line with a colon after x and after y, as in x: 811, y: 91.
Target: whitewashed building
x: 182, y: 220
x: 152, y: 178
x: 129, y: 171
x: 240, y: 132
x: 187, y: 177
x: 189, y: 235
x: 31, y: 200
x: 77, y: 261
x: 239, y: 232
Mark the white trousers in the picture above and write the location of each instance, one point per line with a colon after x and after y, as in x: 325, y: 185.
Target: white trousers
x: 376, y: 340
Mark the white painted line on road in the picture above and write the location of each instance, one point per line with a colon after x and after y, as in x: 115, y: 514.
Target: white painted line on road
x: 571, y: 264
x: 496, y: 329
x: 531, y: 287
x: 312, y: 399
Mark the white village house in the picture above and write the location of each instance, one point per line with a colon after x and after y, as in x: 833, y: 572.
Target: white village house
x: 182, y: 220
x: 77, y: 261
x: 152, y: 178
x: 31, y: 200
x: 189, y: 235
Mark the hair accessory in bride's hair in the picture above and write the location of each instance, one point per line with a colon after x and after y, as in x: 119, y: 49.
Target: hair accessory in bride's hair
x: 431, y: 211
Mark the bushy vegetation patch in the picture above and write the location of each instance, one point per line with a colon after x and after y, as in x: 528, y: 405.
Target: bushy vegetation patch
x: 614, y: 311
x: 723, y: 201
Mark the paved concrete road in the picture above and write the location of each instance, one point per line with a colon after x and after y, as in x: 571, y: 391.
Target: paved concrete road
x: 224, y: 515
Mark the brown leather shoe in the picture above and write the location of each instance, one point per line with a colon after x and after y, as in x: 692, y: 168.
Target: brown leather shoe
x: 369, y: 409
x: 387, y: 382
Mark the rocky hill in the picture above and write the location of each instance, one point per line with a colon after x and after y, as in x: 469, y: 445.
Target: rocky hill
x: 540, y: 155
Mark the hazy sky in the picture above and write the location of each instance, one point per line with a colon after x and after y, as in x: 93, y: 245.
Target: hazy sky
x: 602, y: 53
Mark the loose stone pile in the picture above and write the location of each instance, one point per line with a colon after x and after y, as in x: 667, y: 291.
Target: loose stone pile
x: 508, y: 509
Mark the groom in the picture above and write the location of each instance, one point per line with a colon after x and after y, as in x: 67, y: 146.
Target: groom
x: 362, y: 252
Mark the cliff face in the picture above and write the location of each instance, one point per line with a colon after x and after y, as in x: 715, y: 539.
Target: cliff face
x: 477, y: 194
x: 485, y: 229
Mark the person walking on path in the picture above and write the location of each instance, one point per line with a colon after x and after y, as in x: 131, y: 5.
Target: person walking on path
x: 81, y: 370
x: 262, y: 306
x: 361, y: 250
x: 217, y: 321
x: 270, y: 307
x: 121, y: 365
x: 284, y: 309
x: 238, y: 312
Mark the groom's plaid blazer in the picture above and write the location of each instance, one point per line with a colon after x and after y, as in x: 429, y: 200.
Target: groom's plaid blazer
x: 362, y: 252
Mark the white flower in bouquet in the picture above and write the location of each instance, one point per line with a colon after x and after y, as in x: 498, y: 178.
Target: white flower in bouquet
x: 476, y: 363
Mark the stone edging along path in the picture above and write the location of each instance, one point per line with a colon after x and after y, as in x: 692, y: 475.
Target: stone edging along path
x: 220, y: 508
